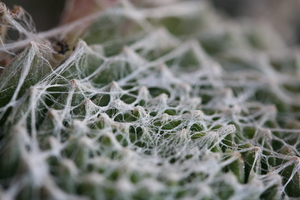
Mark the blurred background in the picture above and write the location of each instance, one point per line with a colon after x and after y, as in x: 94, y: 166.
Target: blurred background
x: 282, y: 15
x: 45, y: 13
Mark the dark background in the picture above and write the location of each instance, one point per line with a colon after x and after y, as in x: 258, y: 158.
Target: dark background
x: 281, y: 14
x: 45, y: 13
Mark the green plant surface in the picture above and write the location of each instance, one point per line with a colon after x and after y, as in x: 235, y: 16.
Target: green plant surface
x: 161, y: 100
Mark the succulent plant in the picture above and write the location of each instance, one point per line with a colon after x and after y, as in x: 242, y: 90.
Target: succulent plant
x: 148, y: 100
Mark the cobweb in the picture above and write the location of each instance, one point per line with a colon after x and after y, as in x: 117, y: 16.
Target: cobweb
x: 158, y: 100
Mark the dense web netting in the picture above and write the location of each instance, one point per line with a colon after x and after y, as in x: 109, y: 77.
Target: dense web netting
x: 158, y: 100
